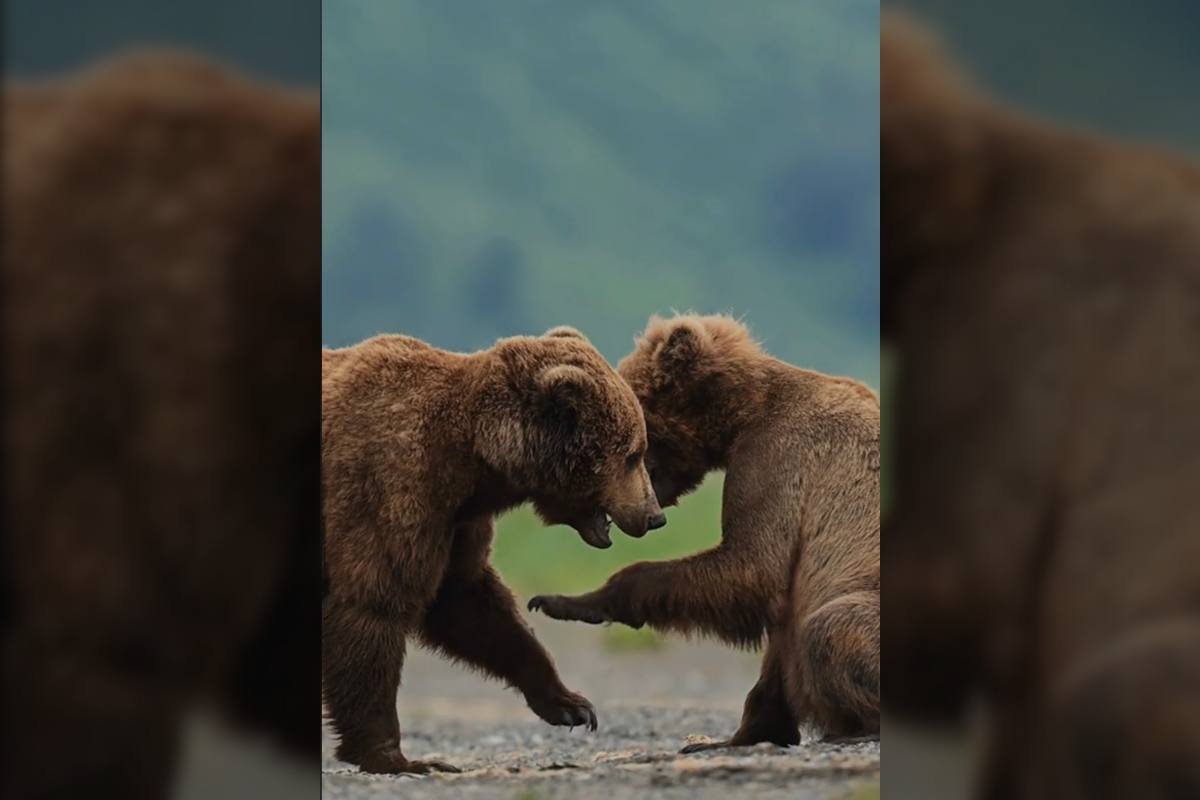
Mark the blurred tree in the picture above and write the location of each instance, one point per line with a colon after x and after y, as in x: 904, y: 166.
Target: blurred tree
x: 820, y: 205
x: 393, y: 294
x: 496, y: 290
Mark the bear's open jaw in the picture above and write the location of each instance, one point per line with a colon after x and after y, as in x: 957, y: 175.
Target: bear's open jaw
x: 594, y: 529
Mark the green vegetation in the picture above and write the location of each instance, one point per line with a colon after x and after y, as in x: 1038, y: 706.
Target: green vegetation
x: 535, y: 559
x: 620, y: 639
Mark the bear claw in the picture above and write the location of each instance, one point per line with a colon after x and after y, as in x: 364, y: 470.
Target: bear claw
x: 568, y: 709
x: 569, y: 609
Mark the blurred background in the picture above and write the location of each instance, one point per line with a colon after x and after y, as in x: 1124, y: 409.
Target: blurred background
x: 275, y: 39
x: 497, y: 169
x: 1128, y: 69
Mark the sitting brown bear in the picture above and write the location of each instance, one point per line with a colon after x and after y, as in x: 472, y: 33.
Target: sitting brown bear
x: 799, y: 556
x: 420, y: 449
x: 1041, y: 287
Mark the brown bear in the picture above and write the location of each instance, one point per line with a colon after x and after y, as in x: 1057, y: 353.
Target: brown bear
x: 1042, y: 291
x: 420, y: 449
x: 161, y: 265
x: 798, y: 560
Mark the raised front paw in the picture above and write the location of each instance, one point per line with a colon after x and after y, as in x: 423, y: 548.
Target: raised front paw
x: 576, y: 609
x: 563, y: 707
x: 391, y: 761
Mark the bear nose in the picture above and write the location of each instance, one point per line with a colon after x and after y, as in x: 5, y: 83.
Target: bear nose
x: 656, y: 521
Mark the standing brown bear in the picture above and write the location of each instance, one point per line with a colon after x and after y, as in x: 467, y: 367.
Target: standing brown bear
x: 799, y: 555
x: 420, y: 449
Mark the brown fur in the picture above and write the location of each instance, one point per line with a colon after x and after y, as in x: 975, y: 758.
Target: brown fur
x: 1042, y: 286
x: 421, y: 448
x: 161, y: 259
x: 799, y: 556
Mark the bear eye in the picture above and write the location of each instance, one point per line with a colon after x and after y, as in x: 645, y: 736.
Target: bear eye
x: 632, y: 460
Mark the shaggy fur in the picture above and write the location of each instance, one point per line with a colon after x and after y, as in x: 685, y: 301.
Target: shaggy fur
x: 1043, y: 289
x: 161, y: 261
x: 421, y: 448
x: 799, y: 556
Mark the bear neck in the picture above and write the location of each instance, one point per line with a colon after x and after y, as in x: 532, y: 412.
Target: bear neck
x: 767, y: 393
x: 492, y: 494
x: 494, y: 433
x: 739, y: 400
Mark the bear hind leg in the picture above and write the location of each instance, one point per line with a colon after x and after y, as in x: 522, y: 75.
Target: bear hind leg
x: 362, y: 654
x: 836, y: 685
x: 766, y: 716
x: 1127, y: 723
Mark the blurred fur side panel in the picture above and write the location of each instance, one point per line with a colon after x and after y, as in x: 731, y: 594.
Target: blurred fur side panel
x: 161, y: 267
x: 1042, y: 289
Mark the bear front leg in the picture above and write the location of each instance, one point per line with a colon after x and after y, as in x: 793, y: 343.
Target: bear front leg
x: 713, y: 592
x: 362, y: 653
x: 474, y: 618
x: 767, y: 715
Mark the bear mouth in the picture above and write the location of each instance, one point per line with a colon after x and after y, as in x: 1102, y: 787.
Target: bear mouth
x: 595, y: 529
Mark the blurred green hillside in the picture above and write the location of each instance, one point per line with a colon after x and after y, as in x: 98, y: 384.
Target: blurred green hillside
x: 499, y: 168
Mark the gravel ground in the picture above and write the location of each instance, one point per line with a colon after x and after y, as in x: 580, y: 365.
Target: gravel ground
x: 649, y: 703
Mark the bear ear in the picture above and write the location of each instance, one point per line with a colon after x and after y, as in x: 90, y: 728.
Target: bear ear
x: 565, y: 332
x: 683, y: 347
x: 563, y: 388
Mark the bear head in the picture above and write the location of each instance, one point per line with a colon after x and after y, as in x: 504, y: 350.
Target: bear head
x: 576, y: 445
x: 687, y: 372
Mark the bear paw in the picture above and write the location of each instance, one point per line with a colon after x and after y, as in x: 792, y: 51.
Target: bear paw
x: 573, y: 609
x: 564, y: 707
x: 391, y: 761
